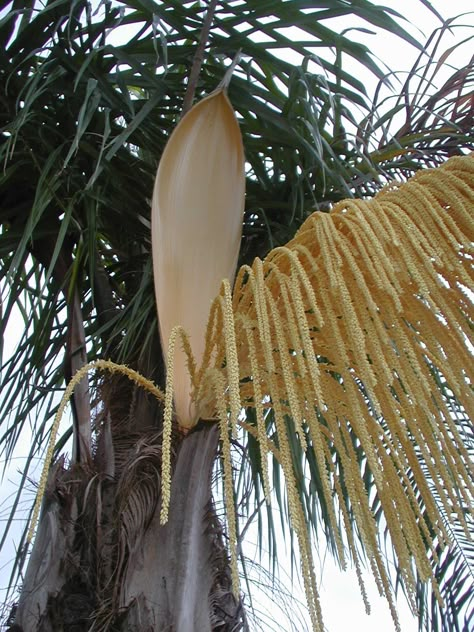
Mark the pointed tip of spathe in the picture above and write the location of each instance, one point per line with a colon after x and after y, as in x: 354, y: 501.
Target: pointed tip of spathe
x: 224, y: 84
x: 197, y: 215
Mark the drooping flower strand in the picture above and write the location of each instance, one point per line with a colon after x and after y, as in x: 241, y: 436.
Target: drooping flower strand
x: 100, y: 365
x: 347, y: 334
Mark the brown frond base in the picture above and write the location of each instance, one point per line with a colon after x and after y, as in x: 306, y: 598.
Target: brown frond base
x: 101, y: 562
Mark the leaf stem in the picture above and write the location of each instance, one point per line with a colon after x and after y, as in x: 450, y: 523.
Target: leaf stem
x: 198, y: 57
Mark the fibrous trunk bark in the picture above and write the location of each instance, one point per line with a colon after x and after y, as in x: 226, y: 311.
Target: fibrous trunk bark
x: 102, y: 561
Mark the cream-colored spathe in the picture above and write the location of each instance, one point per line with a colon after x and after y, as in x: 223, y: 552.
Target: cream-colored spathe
x: 197, y: 213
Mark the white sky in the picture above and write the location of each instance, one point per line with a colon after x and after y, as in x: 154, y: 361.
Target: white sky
x: 342, y: 605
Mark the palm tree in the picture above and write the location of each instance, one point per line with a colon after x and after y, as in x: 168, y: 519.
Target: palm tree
x: 90, y: 95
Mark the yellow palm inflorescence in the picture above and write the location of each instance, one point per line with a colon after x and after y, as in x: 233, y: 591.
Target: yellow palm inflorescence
x: 349, y: 337
x: 348, y: 331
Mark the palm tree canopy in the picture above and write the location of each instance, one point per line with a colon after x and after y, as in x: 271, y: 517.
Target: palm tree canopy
x: 90, y: 96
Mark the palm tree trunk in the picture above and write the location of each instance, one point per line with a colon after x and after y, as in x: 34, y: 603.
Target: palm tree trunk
x: 102, y: 561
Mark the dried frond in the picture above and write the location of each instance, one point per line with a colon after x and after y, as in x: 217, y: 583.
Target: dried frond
x: 140, y: 488
x: 101, y: 365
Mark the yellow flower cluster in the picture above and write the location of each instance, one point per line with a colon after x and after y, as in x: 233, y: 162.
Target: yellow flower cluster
x: 346, y: 334
x: 348, y: 331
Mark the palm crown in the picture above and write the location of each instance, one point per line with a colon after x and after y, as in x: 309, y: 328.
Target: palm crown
x: 89, y: 101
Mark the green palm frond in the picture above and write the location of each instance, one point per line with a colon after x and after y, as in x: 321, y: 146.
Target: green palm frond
x: 454, y: 568
x: 436, y: 111
x: 455, y: 574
